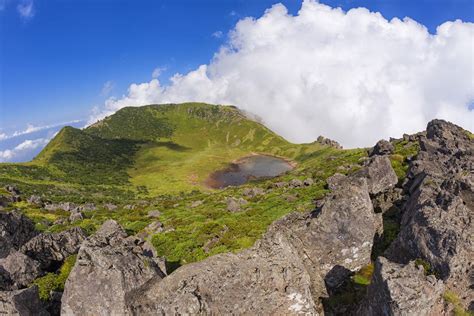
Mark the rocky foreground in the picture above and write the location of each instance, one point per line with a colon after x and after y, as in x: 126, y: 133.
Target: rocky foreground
x: 302, y: 261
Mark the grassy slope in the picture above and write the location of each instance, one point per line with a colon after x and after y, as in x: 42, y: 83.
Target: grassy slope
x: 170, y: 150
x: 186, y: 142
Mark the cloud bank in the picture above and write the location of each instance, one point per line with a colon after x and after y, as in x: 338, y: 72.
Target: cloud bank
x: 352, y: 76
x: 23, y: 148
x: 23, y: 145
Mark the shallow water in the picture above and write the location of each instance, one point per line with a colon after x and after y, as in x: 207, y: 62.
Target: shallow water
x: 248, y: 168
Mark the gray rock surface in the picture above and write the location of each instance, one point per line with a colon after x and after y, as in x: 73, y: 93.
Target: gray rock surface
x: 379, y: 174
x: 51, y: 249
x: 252, y: 192
x: 154, y: 213
x: 402, y: 290
x: 235, y: 204
x: 296, y: 183
x: 36, y: 200
x: 282, y: 274
x: 17, y: 271
x: 382, y: 147
x: 22, y: 303
x: 109, y: 266
x: 438, y: 219
x: 328, y: 142
x: 110, y: 206
x: 15, y: 230
x: 76, y: 215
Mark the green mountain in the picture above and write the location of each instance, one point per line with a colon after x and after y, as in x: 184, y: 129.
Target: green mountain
x: 157, y: 158
x: 165, y: 148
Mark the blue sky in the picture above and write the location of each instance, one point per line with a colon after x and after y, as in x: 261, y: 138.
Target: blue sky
x: 59, y: 59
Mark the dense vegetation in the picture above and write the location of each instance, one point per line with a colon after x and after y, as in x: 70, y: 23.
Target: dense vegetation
x: 157, y: 158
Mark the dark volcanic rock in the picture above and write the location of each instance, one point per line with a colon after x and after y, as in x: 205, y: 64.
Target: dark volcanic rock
x: 282, y: 274
x: 22, y: 302
x: 382, y: 147
x: 109, y: 266
x: 51, y: 249
x: 17, y: 271
x: 402, y: 290
x: 379, y: 174
x: 437, y: 224
x: 15, y: 230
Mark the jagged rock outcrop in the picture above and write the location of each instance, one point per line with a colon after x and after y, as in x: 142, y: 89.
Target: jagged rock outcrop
x: 15, y: 230
x: 17, y: 271
x: 402, y: 290
x: 22, y: 302
x: 328, y: 142
x: 379, y: 174
x: 52, y: 249
x: 438, y: 218
x: 382, y: 148
x: 109, y: 266
x: 283, y: 273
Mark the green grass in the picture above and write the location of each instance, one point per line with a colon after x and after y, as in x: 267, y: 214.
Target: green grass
x: 351, y: 292
x: 451, y: 298
x: 54, y: 281
x: 403, y: 149
x: 164, y: 154
x: 364, y: 275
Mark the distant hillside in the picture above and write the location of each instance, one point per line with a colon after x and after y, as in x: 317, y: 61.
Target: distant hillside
x: 160, y: 148
x: 182, y: 143
x: 85, y: 158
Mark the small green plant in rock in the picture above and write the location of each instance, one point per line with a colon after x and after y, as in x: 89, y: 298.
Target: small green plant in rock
x: 55, y: 281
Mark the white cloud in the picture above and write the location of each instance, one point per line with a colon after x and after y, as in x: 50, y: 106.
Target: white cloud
x: 217, y: 34
x: 157, y: 72
x: 352, y: 76
x: 107, y: 88
x: 32, y: 129
x: 27, y: 145
x: 26, y: 9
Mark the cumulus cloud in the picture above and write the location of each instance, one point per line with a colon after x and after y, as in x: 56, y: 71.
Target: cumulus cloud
x: 26, y: 9
x: 107, y: 88
x: 352, y: 76
x: 30, y: 128
x: 25, y: 146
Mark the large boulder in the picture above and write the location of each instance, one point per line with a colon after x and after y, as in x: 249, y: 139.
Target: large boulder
x: 379, y: 174
x: 438, y: 218
x: 109, y: 266
x: 22, y: 303
x: 382, y: 147
x: 17, y: 271
x: 282, y: 274
x: 15, y: 230
x: 51, y: 249
x: 402, y: 290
